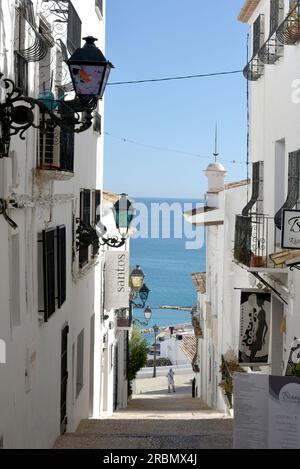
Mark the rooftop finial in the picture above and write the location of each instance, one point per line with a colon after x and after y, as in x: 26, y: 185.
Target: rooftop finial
x: 216, y: 154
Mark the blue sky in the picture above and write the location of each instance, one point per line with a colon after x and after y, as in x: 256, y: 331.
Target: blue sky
x: 159, y: 38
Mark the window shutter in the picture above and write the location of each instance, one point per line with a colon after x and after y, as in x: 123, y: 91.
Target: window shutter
x: 85, y: 218
x: 257, y: 187
x: 276, y: 14
x: 258, y: 34
x: 74, y: 29
x: 48, y: 238
x: 61, y: 264
x: 67, y: 140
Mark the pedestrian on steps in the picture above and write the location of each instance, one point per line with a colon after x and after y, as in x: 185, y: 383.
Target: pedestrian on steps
x: 170, y: 377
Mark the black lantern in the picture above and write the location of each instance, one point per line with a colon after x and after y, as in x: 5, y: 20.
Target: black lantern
x: 124, y: 213
x: 89, y: 70
x: 137, y: 278
x: 148, y: 313
x: 144, y: 293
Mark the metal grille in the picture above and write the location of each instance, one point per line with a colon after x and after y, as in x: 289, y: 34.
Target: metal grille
x: 61, y: 264
x: 49, y: 147
x: 48, y: 239
x: 74, y: 30
x: 293, y: 186
x: 289, y: 30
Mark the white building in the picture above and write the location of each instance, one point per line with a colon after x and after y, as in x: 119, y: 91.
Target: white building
x: 216, y: 318
x: 60, y: 347
x: 274, y: 150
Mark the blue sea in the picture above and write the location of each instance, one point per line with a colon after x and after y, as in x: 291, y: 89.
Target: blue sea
x: 167, y: 259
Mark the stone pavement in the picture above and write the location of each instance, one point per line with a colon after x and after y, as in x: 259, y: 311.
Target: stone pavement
x: 155, y: 419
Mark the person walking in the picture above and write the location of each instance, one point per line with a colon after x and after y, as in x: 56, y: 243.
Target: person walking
x: 170, y: 377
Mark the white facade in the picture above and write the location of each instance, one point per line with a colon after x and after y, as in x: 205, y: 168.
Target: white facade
x: 42, y: 198
x: 218, y: 289
x: 274, y: 137
x: 171, y: 348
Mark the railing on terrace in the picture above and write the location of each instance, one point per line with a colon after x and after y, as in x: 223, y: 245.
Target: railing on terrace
x: 256, y: 239
x: 289, y: 30
x: 124, y: 319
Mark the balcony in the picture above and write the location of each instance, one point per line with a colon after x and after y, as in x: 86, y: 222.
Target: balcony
x: 257, y: 242
x: 124, y: 320
x: 289, y: 30
x: 254, y: 69
x: 271, y: 51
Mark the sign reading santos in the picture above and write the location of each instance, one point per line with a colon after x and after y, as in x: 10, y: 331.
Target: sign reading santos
x: 116, y: 280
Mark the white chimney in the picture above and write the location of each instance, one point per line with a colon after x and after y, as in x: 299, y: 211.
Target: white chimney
x: 215, y: 173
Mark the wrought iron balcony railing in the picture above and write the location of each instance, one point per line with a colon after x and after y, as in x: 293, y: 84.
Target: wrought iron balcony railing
x: 254, y: 69
x: 124, y: 319
x: 289, y: 30
x: 257, y: 240
x: 271, y: 51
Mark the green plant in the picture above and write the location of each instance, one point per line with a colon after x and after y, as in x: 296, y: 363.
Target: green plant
x: 138, y: 353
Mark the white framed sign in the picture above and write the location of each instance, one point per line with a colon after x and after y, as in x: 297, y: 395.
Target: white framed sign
x: 290, y: 229
x: 116, y: 280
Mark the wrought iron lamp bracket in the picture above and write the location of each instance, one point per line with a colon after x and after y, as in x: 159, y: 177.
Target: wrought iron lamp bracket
x: 17, y: 115
x: 85, y: 235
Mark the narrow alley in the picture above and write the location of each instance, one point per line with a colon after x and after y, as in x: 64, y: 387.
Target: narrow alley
x: 155, y: 419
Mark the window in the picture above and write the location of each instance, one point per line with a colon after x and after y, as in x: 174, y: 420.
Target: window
x: 293, y: 192
x: 47, y: 264
x: 258, y: 34
x: 61, y: 265
x: 56, y: 149
x: 79, y: 367
x: 96, y: 217
x: 51, y: 270
x: 97, y: 123
x: 74, y: 29
x: 276, y: 14
x: 15, y: 313
x: 85, y: 219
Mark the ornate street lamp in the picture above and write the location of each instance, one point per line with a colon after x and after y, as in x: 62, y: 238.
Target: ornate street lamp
x: 137, y: 278
x: 123, y: 213
x: 156, y: 331
x: 147, y: 316
x: 89, y: 70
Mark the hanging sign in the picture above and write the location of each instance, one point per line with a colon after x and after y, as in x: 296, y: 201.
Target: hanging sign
x: 291, y: 229
x: 255, y: 325
x: 116, y: 280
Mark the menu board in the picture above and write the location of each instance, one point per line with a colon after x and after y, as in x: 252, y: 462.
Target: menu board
x: 267, y: 412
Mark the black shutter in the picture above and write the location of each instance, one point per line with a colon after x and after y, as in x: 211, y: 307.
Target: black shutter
x: 258, y: 34
x: 276, y: 14
x: 97, y: 201
x: 85, y: 218
x: 97, y: 123
x: 74, y: 29
x: 67, y: 150
x: 48, y: 238
x: 61, y: 264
